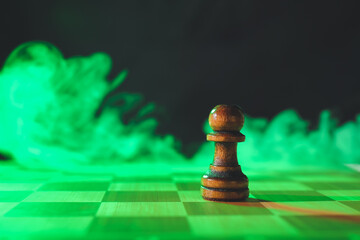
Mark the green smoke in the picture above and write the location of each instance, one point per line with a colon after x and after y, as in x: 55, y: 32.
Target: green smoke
x: 50, y: 119
x: 49, y: 106
x: 286, y: 141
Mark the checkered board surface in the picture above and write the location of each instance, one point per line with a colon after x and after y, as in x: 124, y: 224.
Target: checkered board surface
x: 282, y: 205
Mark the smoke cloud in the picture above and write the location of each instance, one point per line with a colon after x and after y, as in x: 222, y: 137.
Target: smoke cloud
x: 50, y: 119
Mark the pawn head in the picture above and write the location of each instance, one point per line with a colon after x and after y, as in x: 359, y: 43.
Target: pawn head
x: 226, y: 118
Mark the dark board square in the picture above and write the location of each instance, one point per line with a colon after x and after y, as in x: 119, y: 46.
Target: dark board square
x: 325, y: 223
x: 333, y: 185
x: 262, y: 177
x: 290, y: 196
x: 188, y: 186
x: 353, y: 204
x: 13, y: 196
x: 140, y: 224
x: 144, y: 179
x: 75, y: 186
x: 213, y: 208
x: 141, y: 196
x: 60, y: 209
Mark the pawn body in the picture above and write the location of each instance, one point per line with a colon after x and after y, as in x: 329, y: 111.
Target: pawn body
x: 224, y: 181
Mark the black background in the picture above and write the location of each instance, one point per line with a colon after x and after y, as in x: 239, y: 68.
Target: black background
x: 188, y: 56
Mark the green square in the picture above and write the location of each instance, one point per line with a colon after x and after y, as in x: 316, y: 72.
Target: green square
x: 317, y: 177
x: 143, y: 186
x: 75, y: 186
x: 334, y: 185
x: 217, y: 208
x: 263, y: 177
x: 353, y: 204
x: 277, y: 186
x: 161, y: 178
x: 81, y: 178
x: 187, y: 179
x: 191, y: 196
x: 325, y: 223
x: 45, y: 209
x: 342, y: 195
x: 260, y: 227
x: 25, y: 176
x: 141, y: 196
x: 190, y: 172
x: 6, y: 206
x: 44, y: 227
x: 13, y: 196
x: 141, y: 209
x: 288, y: 196
x: 19, y: 186
x: 140, y: 225
x: 188, y: 186
x: 65, y: 196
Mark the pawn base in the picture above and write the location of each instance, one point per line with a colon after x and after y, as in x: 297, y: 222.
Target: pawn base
x: 224, y: 183
x: 222, y: 195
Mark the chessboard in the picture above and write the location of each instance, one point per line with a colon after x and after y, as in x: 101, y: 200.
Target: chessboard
x: 311, y: 204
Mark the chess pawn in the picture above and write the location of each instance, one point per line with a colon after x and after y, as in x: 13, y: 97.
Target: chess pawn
x: 225, y: 181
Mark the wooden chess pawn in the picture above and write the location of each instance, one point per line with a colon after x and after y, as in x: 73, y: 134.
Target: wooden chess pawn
x: 225, y: 181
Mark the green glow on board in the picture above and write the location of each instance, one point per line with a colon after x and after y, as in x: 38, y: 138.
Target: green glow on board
x: 49, y: 105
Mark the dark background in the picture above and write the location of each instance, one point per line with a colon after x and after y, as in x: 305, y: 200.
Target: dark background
x: 188, y: 56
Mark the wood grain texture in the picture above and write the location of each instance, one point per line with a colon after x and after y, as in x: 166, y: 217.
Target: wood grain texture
x: 225, y: 137
x: 226, y: 118
x: 226, y: 196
